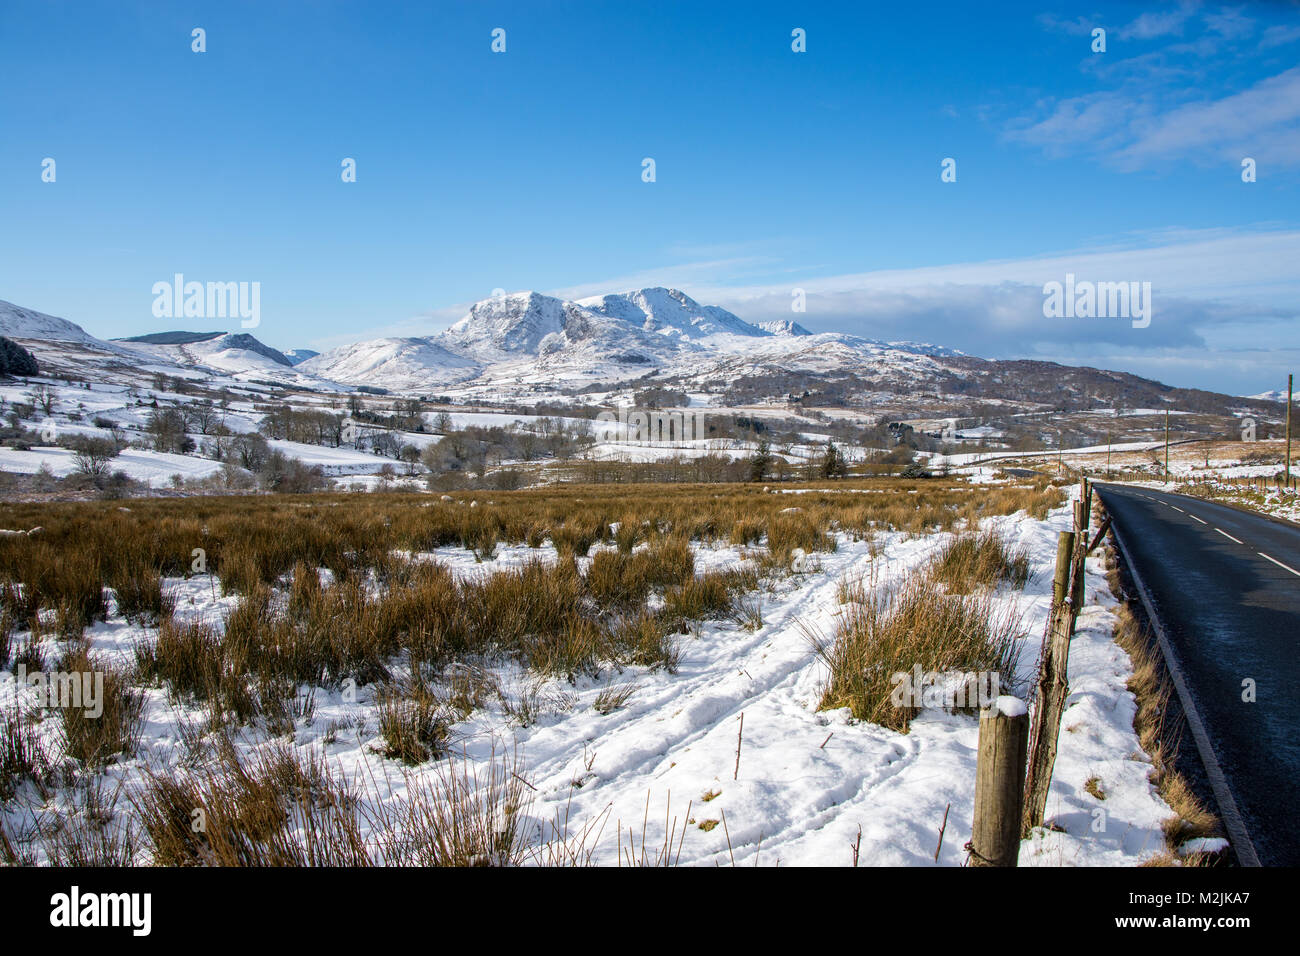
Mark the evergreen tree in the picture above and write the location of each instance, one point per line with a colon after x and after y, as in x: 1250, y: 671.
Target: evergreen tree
x: 833, y: 465
x: 759, y: 464
x: 16, y: 360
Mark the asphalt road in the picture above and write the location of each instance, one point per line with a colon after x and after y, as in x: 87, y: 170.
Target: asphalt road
x: 1225, y: 587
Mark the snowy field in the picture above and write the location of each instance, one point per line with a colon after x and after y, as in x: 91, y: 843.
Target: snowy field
x: 151, y: 467
x: 806, y: 781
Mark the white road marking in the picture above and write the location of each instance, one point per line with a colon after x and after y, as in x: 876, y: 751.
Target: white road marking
x: 1178, y: 509
x: 1228, y: 536
x: 1279, y: 563
x: 1194, y: 518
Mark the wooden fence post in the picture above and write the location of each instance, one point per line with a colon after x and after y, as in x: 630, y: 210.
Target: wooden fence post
x: 999, y: 784
x: 1082, y: 519
x: 1052, y: 688
x: 1061, y: 580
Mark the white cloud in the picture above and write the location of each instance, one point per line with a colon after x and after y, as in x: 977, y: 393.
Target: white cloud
x: 1079, y: 26
x: 1279, y: 36
x: 1138, y: 129
x: 1230, y: 23
x: 1259, y: 122
x: 1150, y: 25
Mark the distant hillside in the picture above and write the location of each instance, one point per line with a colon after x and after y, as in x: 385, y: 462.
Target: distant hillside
x: 172, y: 338
x: 298, y: 356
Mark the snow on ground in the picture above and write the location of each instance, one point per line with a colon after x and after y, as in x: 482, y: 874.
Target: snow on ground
x: 343, y: 460
x: 970, y: 458
x: 466, y: 565
x: 151, y: 467
x: 735, y: 449
x: 807, y: 779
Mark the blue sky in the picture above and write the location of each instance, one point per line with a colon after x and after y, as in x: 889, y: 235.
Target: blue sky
x: 774, y: 169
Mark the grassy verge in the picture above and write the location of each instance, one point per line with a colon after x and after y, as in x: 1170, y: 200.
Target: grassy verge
x: 1159, y: 732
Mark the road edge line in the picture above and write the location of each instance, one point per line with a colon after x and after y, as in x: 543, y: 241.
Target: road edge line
x: 1238, y: 836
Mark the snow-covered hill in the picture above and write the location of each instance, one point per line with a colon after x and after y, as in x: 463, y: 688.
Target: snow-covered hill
x: 64, y: 347
x: 22, y: 324
x: 396, y: 364
x: 222, y: 351
x: 1272, y: 395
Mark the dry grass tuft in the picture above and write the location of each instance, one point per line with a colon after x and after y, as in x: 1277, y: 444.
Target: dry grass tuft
x: 96, y: 736
x: 918, y: 624
x: 973, y: 561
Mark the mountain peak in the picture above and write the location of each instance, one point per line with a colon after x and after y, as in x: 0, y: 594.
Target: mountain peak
x: 783, y: 327
x: 668, y: 312
x: 512, y: 323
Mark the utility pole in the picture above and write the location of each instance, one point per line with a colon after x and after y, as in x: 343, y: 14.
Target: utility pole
x: 1108, y: 440
x: 1289, y: 379
x: 1060, y: 443
x: 1166, y: 446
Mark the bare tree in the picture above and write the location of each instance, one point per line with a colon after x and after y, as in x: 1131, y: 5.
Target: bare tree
x: 411, y: 456
x: 44, y: 398
x: 204, y: 416
x: 93, y: 456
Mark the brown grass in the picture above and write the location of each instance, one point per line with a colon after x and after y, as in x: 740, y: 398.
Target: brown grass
x: 1159, y: 736
x: 915, y: 624
x: 96, y: 739
x: 973, y: 561
x: 275, y: 808
x: 389, y: 617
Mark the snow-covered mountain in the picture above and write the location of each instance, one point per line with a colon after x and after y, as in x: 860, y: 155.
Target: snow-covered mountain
x: 669, y: 313
x: 528, y: 347
x: 531, y: 341
x: 65, y: 348
x: 524, y: 341
x: 1272, y: 395
x: 531, y: 338
x: 506, y: 326
x: 783, y: 327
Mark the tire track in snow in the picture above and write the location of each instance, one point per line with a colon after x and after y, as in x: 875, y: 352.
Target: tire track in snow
x: 771, y: 673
